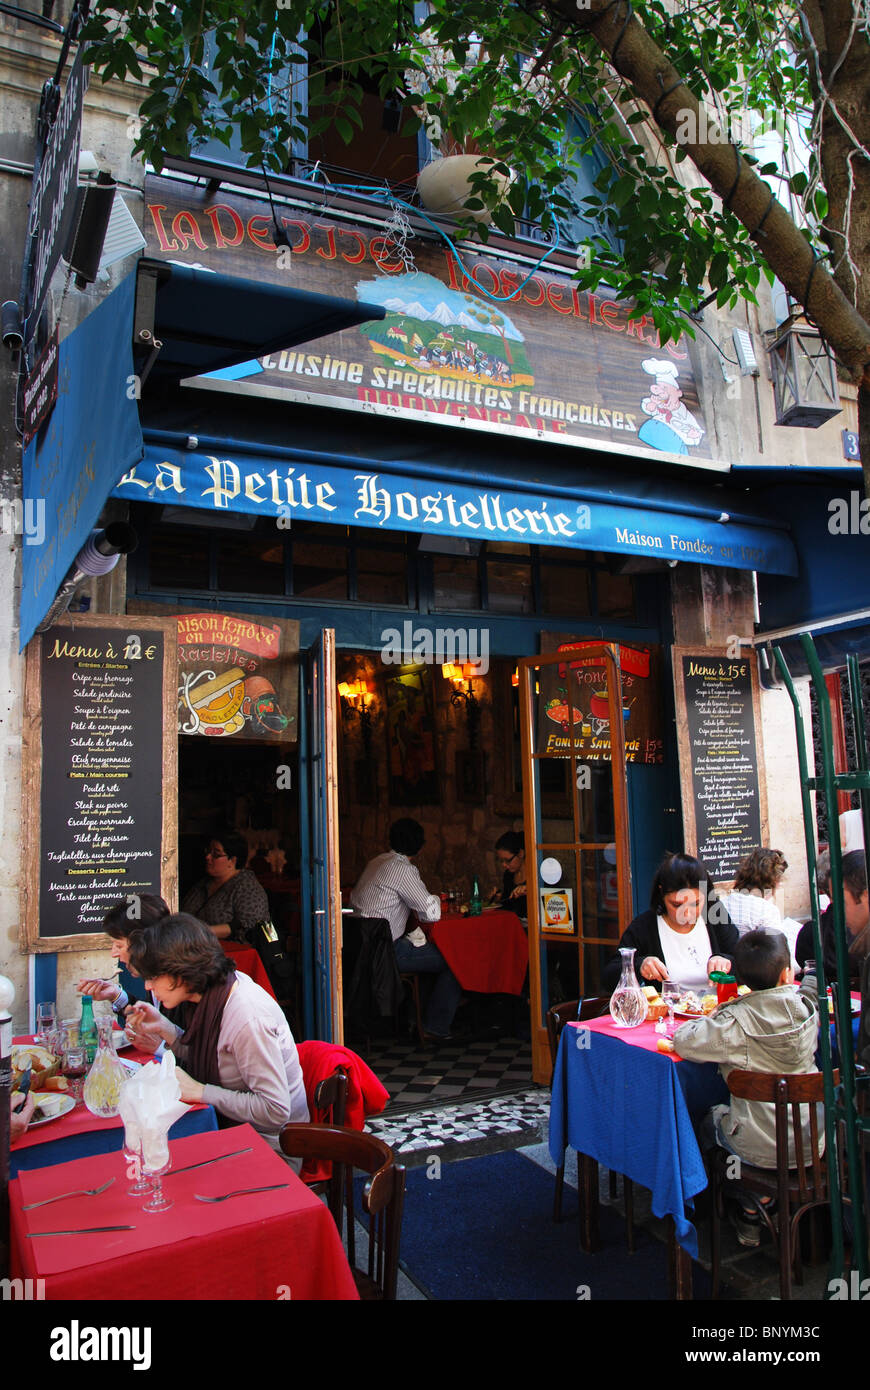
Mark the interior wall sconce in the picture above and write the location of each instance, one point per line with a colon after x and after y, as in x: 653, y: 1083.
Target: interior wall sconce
x: 462, y: 679
x: 357, y: 699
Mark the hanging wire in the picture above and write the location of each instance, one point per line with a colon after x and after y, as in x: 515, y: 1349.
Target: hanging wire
x: 400, y: 203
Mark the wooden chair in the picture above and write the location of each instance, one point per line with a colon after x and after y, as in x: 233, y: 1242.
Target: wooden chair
x: 797, y: 1190
x: 329, y: 1108
x: 383, y: 1197
x: 414, y: 982
x: 556, y: 1018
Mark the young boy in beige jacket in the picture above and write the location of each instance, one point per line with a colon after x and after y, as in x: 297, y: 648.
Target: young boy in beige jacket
x: 772, y: 1029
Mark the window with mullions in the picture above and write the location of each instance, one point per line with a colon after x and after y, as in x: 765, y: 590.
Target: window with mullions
x: 524, y: 580
x: 312, y: 562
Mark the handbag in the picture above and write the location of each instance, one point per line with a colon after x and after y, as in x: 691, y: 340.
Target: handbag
x: 278, y: 965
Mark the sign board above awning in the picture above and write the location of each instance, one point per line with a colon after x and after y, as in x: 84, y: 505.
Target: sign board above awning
x: 361, y: 494
x: 506, y: 351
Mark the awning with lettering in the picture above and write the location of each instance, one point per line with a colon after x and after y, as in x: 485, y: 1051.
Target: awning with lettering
x: 207, y: 322
x: 221, y: 476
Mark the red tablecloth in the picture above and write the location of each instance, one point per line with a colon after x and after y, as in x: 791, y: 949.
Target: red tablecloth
x: 488, y: 954
x: 249, y: 962
x: 269, y: 1245
x: 644, y: 1035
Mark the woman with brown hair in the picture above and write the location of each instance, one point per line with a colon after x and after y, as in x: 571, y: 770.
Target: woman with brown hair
x: 235, y: 1049
x: 750, y: 904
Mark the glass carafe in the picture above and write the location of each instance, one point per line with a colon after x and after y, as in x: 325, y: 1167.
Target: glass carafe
x: 628, y: 1006
x: 102, y: 1092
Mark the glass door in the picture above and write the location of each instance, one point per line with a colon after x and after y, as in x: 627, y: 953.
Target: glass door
x: 321, y: 895
x: 578, y: 865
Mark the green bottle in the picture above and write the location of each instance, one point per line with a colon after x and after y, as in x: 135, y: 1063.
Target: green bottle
x: 474, y: 901
x: 89, y: 1034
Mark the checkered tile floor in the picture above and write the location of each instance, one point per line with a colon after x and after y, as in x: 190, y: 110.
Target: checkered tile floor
x: 449, y: 1072
x: 465, y: 1130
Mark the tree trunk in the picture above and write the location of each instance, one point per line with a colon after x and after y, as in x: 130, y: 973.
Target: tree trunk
x: 830, y: 302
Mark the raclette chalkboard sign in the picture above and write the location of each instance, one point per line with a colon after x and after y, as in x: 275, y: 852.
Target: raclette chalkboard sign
x: 100, y: 774
x: 721, y: 761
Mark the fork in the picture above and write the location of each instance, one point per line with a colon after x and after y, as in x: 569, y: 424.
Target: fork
x: 242, y: 1192
x: 82, y: 1192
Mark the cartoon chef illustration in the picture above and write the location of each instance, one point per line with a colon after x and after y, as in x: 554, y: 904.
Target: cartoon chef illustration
x: 671, y: 427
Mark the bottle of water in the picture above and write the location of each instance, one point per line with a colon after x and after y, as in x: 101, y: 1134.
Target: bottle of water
x: 474, y: 900
x: 88, y: 1031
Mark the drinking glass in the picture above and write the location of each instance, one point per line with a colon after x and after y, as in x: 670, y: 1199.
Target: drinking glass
x: 670, y: 994
x: 45, y: 1021
x: 75, y: 1066
x: 135, y: 1169
x: 158, y: 1201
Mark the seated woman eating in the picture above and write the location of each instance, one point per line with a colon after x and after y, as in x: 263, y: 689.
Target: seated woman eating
x: 685, y: 933
x: 235, y: 1049
x: 510, y: 851
x: 230, y: 898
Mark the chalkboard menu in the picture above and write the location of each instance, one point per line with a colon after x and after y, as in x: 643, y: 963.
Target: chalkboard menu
x: 721, y: 768
x: 100, y: 783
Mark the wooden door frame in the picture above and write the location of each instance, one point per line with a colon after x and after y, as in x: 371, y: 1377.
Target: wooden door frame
x: 541, y: 1062
x: 325, y: 733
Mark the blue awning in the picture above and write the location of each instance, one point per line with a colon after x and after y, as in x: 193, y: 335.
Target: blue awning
x: 208, y: 322
x: 91, y: 437
x: 226, y: 475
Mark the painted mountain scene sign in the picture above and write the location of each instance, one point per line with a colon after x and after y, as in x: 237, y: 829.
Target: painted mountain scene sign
x: 488, y: 344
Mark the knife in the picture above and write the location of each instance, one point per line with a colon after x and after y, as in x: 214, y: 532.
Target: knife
x: 205, y: 1162
x: 80, y: 1231
x: 23, y: 1086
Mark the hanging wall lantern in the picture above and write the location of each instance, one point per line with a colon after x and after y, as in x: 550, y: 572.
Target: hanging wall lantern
x: 804, y: 376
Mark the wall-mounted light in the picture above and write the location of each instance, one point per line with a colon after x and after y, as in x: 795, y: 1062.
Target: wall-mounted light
x: 356, y: 699
x: 462, y: 679
x: 804, y: 376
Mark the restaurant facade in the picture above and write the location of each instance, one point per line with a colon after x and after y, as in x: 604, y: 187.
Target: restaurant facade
x: 432, y: 534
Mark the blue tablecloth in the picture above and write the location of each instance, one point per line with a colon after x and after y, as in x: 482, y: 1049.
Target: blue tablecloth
x: 86, y: 1143
x: 633, y: 1111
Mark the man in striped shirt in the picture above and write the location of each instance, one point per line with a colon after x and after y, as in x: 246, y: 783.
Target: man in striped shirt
x: 391, y: 887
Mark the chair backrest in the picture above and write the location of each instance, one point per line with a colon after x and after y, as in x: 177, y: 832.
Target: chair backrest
x: 330, y: 1097
x: 372, y: 990
x: 560, y: 1014
x: 383, y: 1195
x: 788, y: 1094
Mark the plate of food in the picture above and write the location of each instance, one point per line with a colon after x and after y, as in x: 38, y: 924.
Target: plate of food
x: 693, y: 1005
x: 50, y: 1105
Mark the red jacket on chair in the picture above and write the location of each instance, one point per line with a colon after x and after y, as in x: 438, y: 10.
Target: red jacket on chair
x: 365, y: 1094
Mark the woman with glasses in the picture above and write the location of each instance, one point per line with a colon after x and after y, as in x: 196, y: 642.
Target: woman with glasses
x: 229, y: 899
x: 510, y: 852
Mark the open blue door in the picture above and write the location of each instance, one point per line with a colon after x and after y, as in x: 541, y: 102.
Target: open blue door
x: 321, y: 895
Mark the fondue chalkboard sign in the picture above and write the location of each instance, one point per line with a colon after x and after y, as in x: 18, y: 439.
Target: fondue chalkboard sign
x: 100, y: 775
x: 721, y: 761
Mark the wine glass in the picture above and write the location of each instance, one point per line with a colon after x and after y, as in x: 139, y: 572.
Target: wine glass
x: 45, y: 1023
x: 670, y: 994
x: 135, y: 1167
x: 158, y: 1162
x: 75, y: 1066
